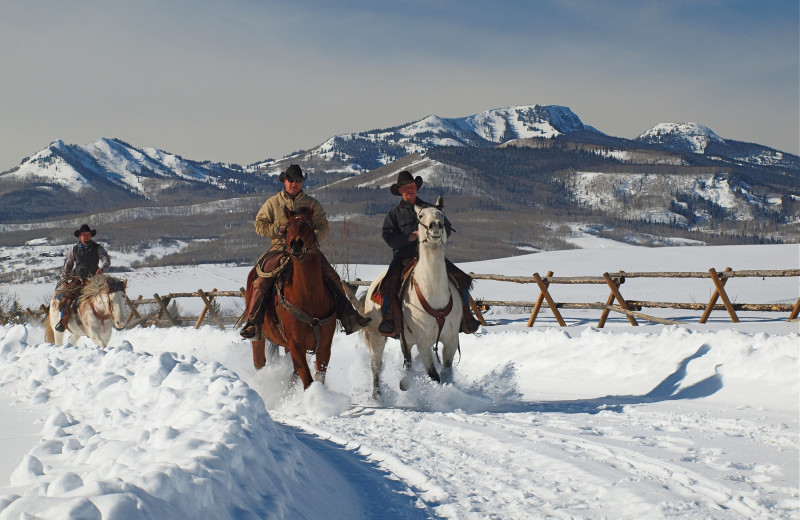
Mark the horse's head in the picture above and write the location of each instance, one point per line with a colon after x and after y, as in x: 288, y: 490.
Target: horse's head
x: 106, y: 296
x: 300, y: 236
x: 431, y: 224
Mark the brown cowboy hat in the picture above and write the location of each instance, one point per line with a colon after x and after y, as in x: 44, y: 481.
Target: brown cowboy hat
x: 292, y: 173
x: 84, y: 228
x: 403, y: 178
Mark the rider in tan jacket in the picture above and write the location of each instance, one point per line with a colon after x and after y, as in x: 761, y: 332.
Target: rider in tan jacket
x: 271, y: 223
x: 271, y: 220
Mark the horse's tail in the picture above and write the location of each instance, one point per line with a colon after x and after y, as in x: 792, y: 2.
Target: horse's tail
x: 49, y: 333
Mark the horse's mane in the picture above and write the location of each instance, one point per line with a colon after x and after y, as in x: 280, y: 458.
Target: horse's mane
x: 96, y: 284
x: 302, y: 211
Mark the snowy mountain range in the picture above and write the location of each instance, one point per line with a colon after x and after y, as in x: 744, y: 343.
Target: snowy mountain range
x: 678, y: 174
x: 364, y: 151
x: 148, y: 172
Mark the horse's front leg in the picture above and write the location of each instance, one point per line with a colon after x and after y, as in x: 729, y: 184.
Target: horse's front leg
x: 377, y: 344
x: 259, y: 354
x: 426, y: 354
x: 405, y: 347
x: 450, y: 347
x: 301, y: 365
x: 323, y: 357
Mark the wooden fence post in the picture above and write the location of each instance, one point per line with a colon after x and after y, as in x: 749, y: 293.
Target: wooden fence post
x: 539, y: 301
x: 609, y: 301
x: 616, y: 294
x: 795, y: 310
x: 242, y: 317
x: 133, y: 314
x: 719, y: 283
x: 163, y: 304
x: 550, y: 302
x: 713, y: 300
x: 208, y: 307
x: 476, y: 310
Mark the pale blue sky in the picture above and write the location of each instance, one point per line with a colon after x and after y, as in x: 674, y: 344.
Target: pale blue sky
x: 240, y: 81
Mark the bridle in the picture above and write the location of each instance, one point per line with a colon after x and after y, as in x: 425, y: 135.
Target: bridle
x: 306, y: 249
x: 428, y: 228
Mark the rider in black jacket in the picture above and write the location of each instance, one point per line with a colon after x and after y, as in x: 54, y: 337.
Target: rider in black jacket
x: 400, y: 233
x: 84, y: 259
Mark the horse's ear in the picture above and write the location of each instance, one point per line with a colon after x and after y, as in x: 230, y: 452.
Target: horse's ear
x: 439, y: 203
x: 287, y: 212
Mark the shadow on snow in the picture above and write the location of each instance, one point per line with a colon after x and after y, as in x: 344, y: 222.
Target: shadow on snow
x: 668, y: 390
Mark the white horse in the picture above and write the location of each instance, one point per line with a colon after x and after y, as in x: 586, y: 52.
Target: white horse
x: 431, y: 306
x: 100, y: 305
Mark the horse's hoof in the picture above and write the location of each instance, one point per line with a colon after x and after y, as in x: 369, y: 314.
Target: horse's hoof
x: 404, y: 384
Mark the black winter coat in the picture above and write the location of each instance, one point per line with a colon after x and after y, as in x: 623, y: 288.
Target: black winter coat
x: 400, y: 222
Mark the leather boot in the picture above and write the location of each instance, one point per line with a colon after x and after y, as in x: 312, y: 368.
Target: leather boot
x: 254, y: 308
x: 386, y: 327
x: 348, y: 316
x: 61, y: 326
x: 469, y: 323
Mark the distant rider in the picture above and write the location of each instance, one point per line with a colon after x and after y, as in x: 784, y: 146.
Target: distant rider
x: 84, y: 259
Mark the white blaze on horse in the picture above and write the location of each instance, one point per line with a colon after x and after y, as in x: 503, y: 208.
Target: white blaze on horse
x: 101, y: 306
x: 431, y: 306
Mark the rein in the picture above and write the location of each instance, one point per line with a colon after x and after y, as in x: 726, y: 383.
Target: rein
x: 439, y: 314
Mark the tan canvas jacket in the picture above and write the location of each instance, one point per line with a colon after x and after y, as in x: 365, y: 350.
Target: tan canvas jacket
x: 271, y: 217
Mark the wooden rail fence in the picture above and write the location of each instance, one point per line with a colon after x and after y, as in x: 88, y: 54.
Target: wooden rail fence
x: 629, y: 307
x: 615, y: 302
x: 632, y: 308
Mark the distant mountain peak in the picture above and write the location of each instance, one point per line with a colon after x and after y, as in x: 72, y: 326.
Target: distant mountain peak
x: 375, y: 148
x: 688, y: 136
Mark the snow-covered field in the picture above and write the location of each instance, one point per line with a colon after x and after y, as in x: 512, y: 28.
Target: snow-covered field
x: 689, y: 421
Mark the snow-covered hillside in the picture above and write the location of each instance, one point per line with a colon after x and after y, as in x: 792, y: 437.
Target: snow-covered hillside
x: 139, y: 171
x: 681, y: 136
x: 641, y: 195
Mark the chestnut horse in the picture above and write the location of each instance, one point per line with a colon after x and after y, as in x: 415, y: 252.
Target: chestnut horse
x: 305, y: 310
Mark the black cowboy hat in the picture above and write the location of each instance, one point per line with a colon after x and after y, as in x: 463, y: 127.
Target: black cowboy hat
x: 84, y: 228
x: 403, y: 178
x: 292, y: 173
